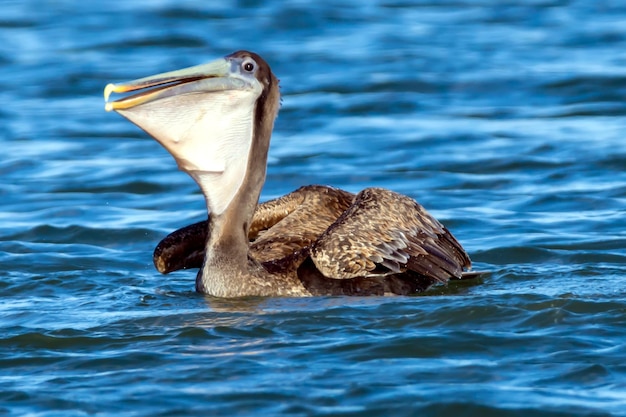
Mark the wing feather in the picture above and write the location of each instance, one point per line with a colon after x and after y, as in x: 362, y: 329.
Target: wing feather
x: 279, y: 228
x: 385, y: 233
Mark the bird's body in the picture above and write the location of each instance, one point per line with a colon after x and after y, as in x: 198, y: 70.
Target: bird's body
x: 216, y: 120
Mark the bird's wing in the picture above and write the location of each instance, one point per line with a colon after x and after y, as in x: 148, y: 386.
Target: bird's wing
x: 385, y: 233
x: 181, y: 249
x: 279, y: 227
x: 304, y: 215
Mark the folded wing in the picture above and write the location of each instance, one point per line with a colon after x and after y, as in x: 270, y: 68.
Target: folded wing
x: 386, y: 233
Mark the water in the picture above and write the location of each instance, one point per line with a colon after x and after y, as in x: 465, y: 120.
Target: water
x: 505, y: 120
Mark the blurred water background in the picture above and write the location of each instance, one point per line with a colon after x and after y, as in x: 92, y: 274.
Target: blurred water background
x: 505, y: 119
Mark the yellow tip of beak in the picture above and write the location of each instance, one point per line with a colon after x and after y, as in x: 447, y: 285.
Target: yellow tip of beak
x: 110, y: 88
x: 119, y: 88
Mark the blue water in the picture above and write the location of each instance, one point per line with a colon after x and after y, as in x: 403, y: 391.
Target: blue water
x: 507, y: 121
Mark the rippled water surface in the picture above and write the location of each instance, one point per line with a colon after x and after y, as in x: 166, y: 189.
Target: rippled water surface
x: 505, y: 119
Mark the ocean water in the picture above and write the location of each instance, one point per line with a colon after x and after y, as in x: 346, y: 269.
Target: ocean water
x: 504, y: 119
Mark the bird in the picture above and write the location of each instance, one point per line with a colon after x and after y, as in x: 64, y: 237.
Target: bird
x: 216, y: 120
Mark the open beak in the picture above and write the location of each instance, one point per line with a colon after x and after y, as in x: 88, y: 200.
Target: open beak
x: 209, y: 77
x: 198, y: 114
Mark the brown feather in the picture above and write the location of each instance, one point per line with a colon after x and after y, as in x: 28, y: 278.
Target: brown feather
x: 279, y: 227
x: 375, y: 243
x: 384, y: 232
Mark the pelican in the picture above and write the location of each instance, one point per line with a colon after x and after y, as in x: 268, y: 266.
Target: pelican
x: 216, y: 120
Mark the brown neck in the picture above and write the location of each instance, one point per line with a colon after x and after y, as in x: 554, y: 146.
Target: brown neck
x: 227, y: 264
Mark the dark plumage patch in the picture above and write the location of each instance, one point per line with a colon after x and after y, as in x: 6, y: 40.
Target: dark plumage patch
x: 377, y: 242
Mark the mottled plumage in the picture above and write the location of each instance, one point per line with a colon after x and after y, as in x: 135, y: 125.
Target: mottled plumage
x: 279, y: 227
x: 374, y: 243
x: 384, y: 233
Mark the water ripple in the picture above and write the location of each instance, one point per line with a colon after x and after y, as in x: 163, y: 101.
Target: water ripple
x: 505, y: 122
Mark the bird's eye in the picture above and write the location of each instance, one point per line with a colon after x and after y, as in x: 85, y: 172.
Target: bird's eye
x: 248, y: 66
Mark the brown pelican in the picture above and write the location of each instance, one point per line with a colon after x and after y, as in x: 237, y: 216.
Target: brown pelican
x: 216, y: 120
